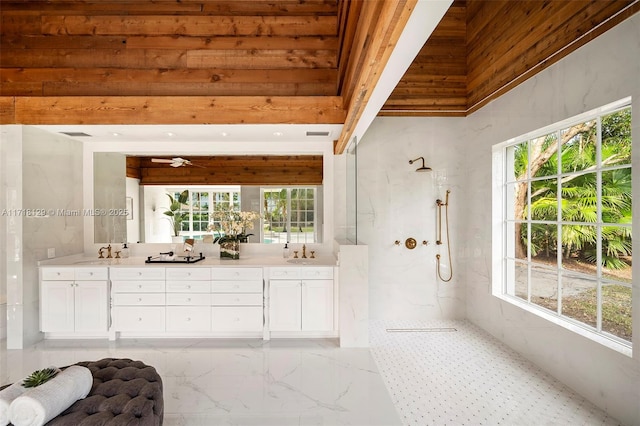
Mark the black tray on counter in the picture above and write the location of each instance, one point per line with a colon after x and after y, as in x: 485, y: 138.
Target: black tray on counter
x: 176, y: 259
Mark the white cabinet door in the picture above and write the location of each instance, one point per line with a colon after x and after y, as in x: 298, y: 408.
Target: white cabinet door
x: 317, y: 305
x: 56, y: 304
x: 285, y: 312
x: 91, y: 306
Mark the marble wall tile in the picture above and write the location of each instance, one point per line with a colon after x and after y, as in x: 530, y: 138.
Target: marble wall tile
x: 395, y: 203
x: 605, y: 70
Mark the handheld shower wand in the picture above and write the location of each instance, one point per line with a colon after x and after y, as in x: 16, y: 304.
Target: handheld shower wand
x: 440, y: 205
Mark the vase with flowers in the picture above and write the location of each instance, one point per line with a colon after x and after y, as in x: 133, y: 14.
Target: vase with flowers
x: 231, y: 227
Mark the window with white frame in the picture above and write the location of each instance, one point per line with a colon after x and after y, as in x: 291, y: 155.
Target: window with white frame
x: 563, y: 197
x: 289, y: 215
x: 201, y: 205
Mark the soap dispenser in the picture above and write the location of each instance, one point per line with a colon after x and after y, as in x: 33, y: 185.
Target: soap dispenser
x: 124, y: 253
x: 285, y: 251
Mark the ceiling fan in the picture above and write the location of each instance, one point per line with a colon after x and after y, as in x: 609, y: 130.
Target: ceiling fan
x: 175, y: 162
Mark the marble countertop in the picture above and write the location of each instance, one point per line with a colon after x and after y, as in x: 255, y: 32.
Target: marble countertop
x: 264, y: 261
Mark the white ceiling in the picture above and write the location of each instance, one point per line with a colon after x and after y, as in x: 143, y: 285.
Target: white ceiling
x: 267, y: 133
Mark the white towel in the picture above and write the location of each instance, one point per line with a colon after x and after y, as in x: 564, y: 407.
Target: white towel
x: 7, y: 395
x: 40, y: 404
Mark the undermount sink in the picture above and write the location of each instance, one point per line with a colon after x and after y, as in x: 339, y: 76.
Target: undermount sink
x: 301, y: 261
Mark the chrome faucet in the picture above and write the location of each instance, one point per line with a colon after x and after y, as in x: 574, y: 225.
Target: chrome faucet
x: 304, y: 251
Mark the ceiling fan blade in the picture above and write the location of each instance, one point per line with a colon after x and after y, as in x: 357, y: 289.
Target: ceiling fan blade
x: 161, y: 160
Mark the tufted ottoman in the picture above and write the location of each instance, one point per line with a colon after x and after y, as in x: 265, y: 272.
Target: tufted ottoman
x: 124, y: 392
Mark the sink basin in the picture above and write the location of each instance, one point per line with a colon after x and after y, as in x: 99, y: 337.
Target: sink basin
x: 301, y: 261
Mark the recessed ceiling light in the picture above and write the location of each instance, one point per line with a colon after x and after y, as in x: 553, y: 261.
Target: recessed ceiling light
x: 277, y: 133
x: 224, y: 134
x: 116, y: 134
x: 171, y: 134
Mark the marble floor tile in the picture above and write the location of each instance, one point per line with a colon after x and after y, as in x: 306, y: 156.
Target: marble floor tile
x: 455, y: 374
x: 238, y: 381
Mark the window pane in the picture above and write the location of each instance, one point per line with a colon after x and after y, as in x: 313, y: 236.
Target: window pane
x: 577, y: 243
x: 544, y: 243
x: 544, y: 202
x: 616, y: 253
x: 616, y: 196
x: 517, y: 162
x: 616, y: 138
x: 521, y: 241
x: 580, y: 298
x: 616, y: 310
x: 579, y: 146
x: 579, y: 198
x: 517, y: 279
x: 544, y: 158
x: 544, y: 286
x: 517, y: 198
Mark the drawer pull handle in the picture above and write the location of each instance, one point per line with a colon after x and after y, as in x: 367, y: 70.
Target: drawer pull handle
x: 188, y: 286
x: 237, y: 274
x: 237, y: 299
x: 90, y: 273
x: 188, y: 319
x: 139, y: 285
x: 139, y: 319
x: 188, y: 299
x: 139, y: 273
x: 237, y: 319
x: 236, y: 286
x: 139, y: 299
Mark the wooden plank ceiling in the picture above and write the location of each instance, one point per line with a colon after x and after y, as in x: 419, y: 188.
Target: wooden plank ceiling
x: 229, y: 170
x: 271, y: 61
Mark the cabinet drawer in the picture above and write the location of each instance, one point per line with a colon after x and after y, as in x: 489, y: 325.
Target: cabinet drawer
x: 236, y: 287
x: 316, y: 273
x: 191, y: 299
x: 138, y: 299
x: 180, y: 318
x: 137, y: 273
x: 57, y: 274
x: 237, y: 318
x: 242, y: 299
x: 188, y: 273
x: 92, y: 274
x: 189, y: 287
x: 138, y: 286
x: 135, y: 318
x: 236, y: 274
x: 285, y: 273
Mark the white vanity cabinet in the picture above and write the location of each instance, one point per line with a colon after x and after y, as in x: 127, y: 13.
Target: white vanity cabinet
x: 301, y: 299
x: 74, y: 301
x: 237, y: 300
x: 138, y: 299
x: 188, y: 298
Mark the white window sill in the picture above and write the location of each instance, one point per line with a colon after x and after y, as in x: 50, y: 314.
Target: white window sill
x: 598, y: 338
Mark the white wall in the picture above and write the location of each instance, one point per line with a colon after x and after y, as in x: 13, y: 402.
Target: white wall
x: 605, y: 70
x: 45, y: 174
x: 133, y: 225
x: 395, y: 202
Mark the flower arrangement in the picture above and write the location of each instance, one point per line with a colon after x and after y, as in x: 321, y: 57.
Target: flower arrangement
x: 232, y: 225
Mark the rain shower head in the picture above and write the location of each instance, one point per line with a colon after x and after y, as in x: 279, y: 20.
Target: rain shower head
x: 422, y: 168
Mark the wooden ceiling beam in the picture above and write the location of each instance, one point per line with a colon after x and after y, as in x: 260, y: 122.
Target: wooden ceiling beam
x: 175, y: 110
x: 230, y: 170
x: 380, y: 32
